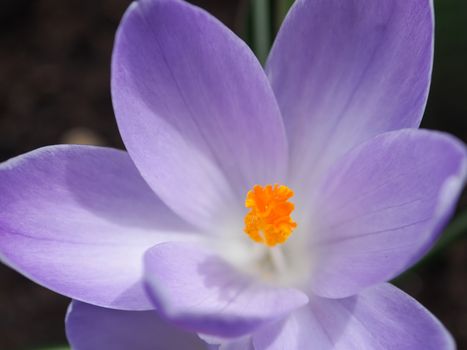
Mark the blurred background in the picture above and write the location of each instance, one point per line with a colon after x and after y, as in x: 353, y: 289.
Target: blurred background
x: 54, y: 88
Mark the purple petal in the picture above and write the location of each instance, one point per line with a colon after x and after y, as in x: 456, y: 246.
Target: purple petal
x: 381, y: 207
x: 242, y: 344
x: 216, y: 343
x: 344, y: 71
x: 90, y: 327
x: 78, y: 219
x: 380, y: 318
x: 201, y: 292
x: 195, y: 109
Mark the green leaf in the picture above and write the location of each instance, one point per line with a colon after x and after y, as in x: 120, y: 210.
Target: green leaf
x: 456, y: 230
x: 282, y: 7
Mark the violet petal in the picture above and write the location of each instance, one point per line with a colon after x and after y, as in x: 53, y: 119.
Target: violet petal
x: 78, y: 219
x: 90, y: 327
x: 381, y: 207
x: 195, y: 109
x: 380, y: 318
x: 201, y: 292
x: 344, y: 71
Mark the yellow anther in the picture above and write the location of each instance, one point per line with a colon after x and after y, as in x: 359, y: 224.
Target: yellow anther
x: 268, y: 220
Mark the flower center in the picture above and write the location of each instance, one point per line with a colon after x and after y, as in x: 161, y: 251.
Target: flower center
x: 268, y: 220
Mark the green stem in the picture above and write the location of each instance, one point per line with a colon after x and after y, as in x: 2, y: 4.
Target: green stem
x: 261, y: 28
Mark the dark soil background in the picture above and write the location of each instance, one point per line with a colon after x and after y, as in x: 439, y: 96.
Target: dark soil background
x: 54, y: 88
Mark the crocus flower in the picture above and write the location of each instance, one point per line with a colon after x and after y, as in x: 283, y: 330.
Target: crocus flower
x: 260, y: 209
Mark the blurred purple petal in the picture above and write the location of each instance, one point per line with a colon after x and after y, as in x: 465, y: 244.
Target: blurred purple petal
x: 78, y: 219
x: 379, y: 318
x: 381, y: 207
x: 195, y: 109
x: 201, y: 292
x: 242, y: 344
x: 344, y: 71
x: 93, y: 328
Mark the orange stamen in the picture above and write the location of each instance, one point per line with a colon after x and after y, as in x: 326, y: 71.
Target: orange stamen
x: 269, y: 220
